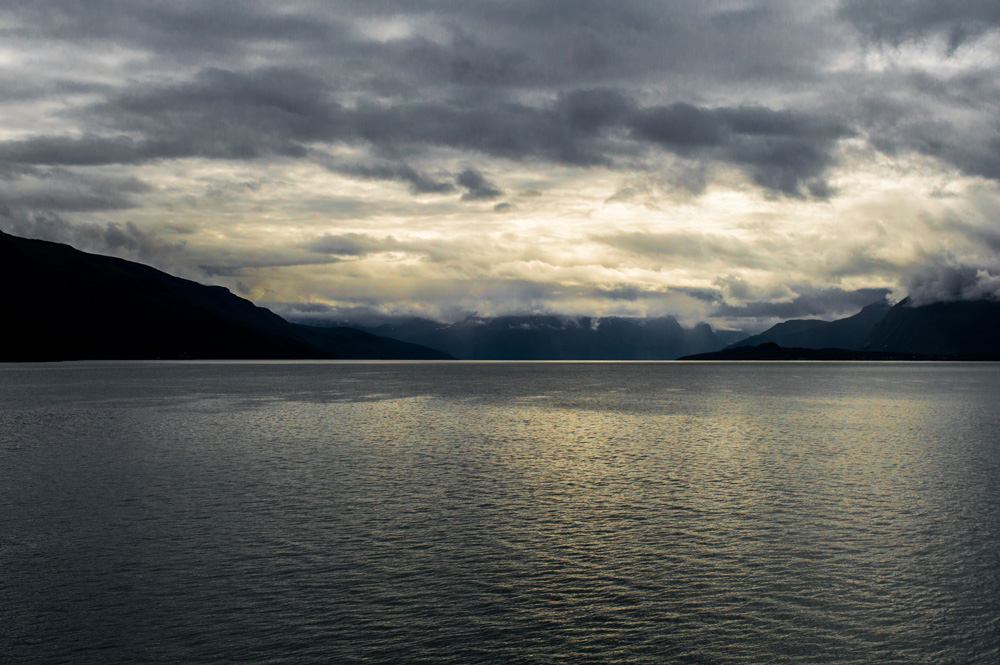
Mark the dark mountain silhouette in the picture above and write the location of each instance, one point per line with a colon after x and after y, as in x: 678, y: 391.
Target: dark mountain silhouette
x: 960, y: 328
x: 63, y: 304
x: 849, y: 333
x: 550, y: 337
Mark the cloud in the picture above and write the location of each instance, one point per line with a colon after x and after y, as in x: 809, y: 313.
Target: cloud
x: 720, y: 158
x: 946, y: 282
x: 590, y: 111
x: 63, y: 190
x: 179, y: 28
x: 477, y: 187
x: 88, y: 150
x: 224, y: 114
x: 286, y: 113
x: 944, y: 119
x: 420, y: 183
x: 809, y: 302
x: 352, y: 244
x: 122, y: 240
x: 896, y: 21
x: 783, y: 151
x: 697, y: 247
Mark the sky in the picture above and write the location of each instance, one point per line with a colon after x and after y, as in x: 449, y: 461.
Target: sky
x: 735, y: 162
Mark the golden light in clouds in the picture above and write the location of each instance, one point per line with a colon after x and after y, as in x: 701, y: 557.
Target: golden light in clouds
x: 708, y: 161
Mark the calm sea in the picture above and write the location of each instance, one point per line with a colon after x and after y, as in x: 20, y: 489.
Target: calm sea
x: 500, y: 513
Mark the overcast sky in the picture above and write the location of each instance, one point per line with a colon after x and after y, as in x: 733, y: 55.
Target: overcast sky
x: 729, y: 161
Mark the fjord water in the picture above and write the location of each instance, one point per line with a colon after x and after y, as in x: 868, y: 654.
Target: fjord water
x: 500, y: 513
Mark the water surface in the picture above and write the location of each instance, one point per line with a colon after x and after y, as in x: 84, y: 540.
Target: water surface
x: 499, y: 512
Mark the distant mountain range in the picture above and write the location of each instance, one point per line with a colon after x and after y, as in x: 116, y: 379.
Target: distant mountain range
x: 968, y: 328
x: 880, y: 331
x: 849, y: 333
x: 60, y: 303
x: 63, y: 304
x: 550, y: 337
x: 959, y: 330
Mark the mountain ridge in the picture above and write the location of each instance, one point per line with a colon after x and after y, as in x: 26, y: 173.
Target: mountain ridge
x: 963, y: 327
x: 72, y: 305
x: 556, y: 337
x: 951, y: 330
x: 847, y: 333
x: 64, y: 304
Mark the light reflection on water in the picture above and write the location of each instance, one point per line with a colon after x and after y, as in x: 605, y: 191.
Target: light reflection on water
x: 491, y: 512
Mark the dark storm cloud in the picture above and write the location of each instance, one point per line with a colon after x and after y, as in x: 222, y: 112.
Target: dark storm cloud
x: 477, y: 187
x: 172, y: 27
x: 948, y: 118
x: 276, y: 112
x: 784, y: 151
x: 220, y: 114
x: 66, y: 151
x: 781, y: 150
x: 455, y: 90
x: 470, y: 63
x: 72, y: 201
x: 896, y: 21
x: 17, y: 88
x: 586, y: 43
x: 944, y: 280
x: 419, y: 182
x: 65, y: 190
x: 496, y: 129
x: 454, y: 78
x: 810, y: 302
x: 225, y: 114
x: 516, y: 42
x: 589, y: 111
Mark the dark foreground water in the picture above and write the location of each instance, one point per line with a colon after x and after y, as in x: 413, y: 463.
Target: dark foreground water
x: 499, y: 513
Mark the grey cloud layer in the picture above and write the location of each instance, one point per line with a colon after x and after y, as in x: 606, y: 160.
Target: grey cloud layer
x: 808, y: 303
x: 896, y: 21
x: 943, y: 281
x: 582, y: 83
x: 519, y: 42
x: 264, y: 113
x: 457, y: 100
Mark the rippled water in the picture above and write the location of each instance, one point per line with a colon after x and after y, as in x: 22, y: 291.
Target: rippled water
x: 499, y: 512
